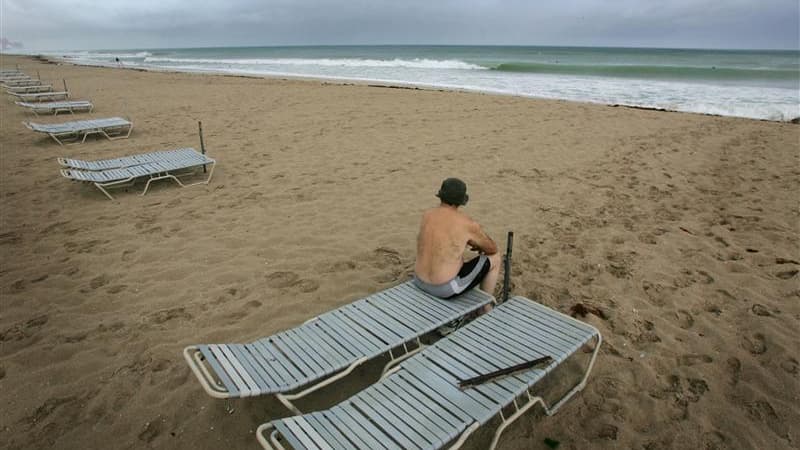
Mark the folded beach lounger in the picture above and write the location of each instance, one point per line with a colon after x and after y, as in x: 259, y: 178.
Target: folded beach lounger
x: 70, y: 106
x: 156, y: 169
x: 328, y: 347
x: 29, y: 89
x: 42, y: 96
x: 21, y: 82
x: 15, y: 77
x: 132, y: 160
x: 112, y: 128
x: 420, y: 405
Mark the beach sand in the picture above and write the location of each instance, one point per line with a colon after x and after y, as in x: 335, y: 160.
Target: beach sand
x: 677, y: 232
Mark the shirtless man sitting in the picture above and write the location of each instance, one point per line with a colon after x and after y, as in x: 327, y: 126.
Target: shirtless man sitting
x: 444, y: 234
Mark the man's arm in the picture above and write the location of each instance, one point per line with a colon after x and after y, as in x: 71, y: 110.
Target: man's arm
x: 480, y: 240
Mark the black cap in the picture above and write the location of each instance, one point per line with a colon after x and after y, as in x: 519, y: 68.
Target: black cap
x: 453, y: 192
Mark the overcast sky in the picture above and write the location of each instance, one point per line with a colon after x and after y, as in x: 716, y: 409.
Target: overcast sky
x: 121, y: 24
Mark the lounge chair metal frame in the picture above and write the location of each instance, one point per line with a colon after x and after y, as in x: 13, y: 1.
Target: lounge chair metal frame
x: 398, y: 351
x: 111, y: 132
x: 422, y: 375
x: 70, y: 106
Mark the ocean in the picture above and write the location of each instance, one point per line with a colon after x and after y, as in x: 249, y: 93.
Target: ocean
x: 759, y: 84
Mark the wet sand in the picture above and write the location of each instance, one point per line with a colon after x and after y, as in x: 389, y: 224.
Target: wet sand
x: 678, y: 233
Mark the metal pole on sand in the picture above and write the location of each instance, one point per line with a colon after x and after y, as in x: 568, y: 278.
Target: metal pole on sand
x: 202, y: 145
x: 507, y: 266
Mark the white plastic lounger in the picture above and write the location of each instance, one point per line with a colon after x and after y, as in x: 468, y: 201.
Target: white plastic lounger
x: 127, y: 161
x: 112, y: 128
x: 70, y: 106
x: 330, y: 346
x: 158, y: 169
x: 419, y: 404
x: 30, y: 89
x: 42, y: 96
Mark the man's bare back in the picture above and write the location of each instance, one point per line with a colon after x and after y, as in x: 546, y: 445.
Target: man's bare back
x: 443, y: 236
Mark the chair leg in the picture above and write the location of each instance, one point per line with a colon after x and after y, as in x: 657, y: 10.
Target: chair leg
x: 286, y: 399
x: 272, y: 437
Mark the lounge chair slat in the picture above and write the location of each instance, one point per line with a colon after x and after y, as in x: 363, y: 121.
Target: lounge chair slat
x: 354, y: 325
x: 248, y: 385
x: 392, y: 323
x: 326, y: 357
x: 371, y: 325
x: 461, y: 369
x: 436, y: 401
x: 407, y: 299
x: 423, y: 307
x: 218, y: 370
x: 433, y: 425
x: 481, y: 345
x: 306, y: 433
x: 265, y: 371
x: 511, y: 349
x: 306, y: 338
x: 368, y: 432
x: 325, y: 428
x: 275, y: 360
x: 297, y: 358
x: 339, y: 334
x: 407, y: 424
x: 393, y: 428
x: 288, y: 433
x: 393, y: 308
x: 367, y: 344
x: 246, y: 361
x: 428, y: 381
x: 434, y: 415
x: 233, y: 374
x: 344, y: 349
x: 339, y: 424
x: 571, y: 329
x: 546, y: 338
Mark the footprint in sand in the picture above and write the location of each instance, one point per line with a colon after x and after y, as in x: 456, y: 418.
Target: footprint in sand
x: 691, y: 360
x: 760, y: 310
x: 787, y: 274
x: 734, y: 369
x: 23, y: 330
x: 790, y: 366
x: 99, y: 281
x: 755, y: 344
x: 166, y: 315
x: 685, y: 319
x: 281, y: 279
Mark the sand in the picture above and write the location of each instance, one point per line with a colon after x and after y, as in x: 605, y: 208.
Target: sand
x: 677, y: 232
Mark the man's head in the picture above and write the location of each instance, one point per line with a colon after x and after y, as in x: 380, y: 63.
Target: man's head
x: 453, y: 192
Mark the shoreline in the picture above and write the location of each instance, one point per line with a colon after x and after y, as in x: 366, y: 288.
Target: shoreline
x: 389, y: 84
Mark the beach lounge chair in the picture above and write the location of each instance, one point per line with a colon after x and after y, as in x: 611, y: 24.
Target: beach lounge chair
x: 21, y: 82
x: 330, y: 346
x: 131, y: 168
x: 70, y: 106
x: 128, y: 161
x: 42, y: 96
x: 112, y: 128
x: 29, y: 89
x: 420, y: 404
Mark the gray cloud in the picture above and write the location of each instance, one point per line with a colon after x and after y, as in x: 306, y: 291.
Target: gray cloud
x: 84, y: 24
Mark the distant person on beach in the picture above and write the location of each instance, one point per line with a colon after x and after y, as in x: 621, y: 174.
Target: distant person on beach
x: 119, y: 63
x: 444, y: 234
